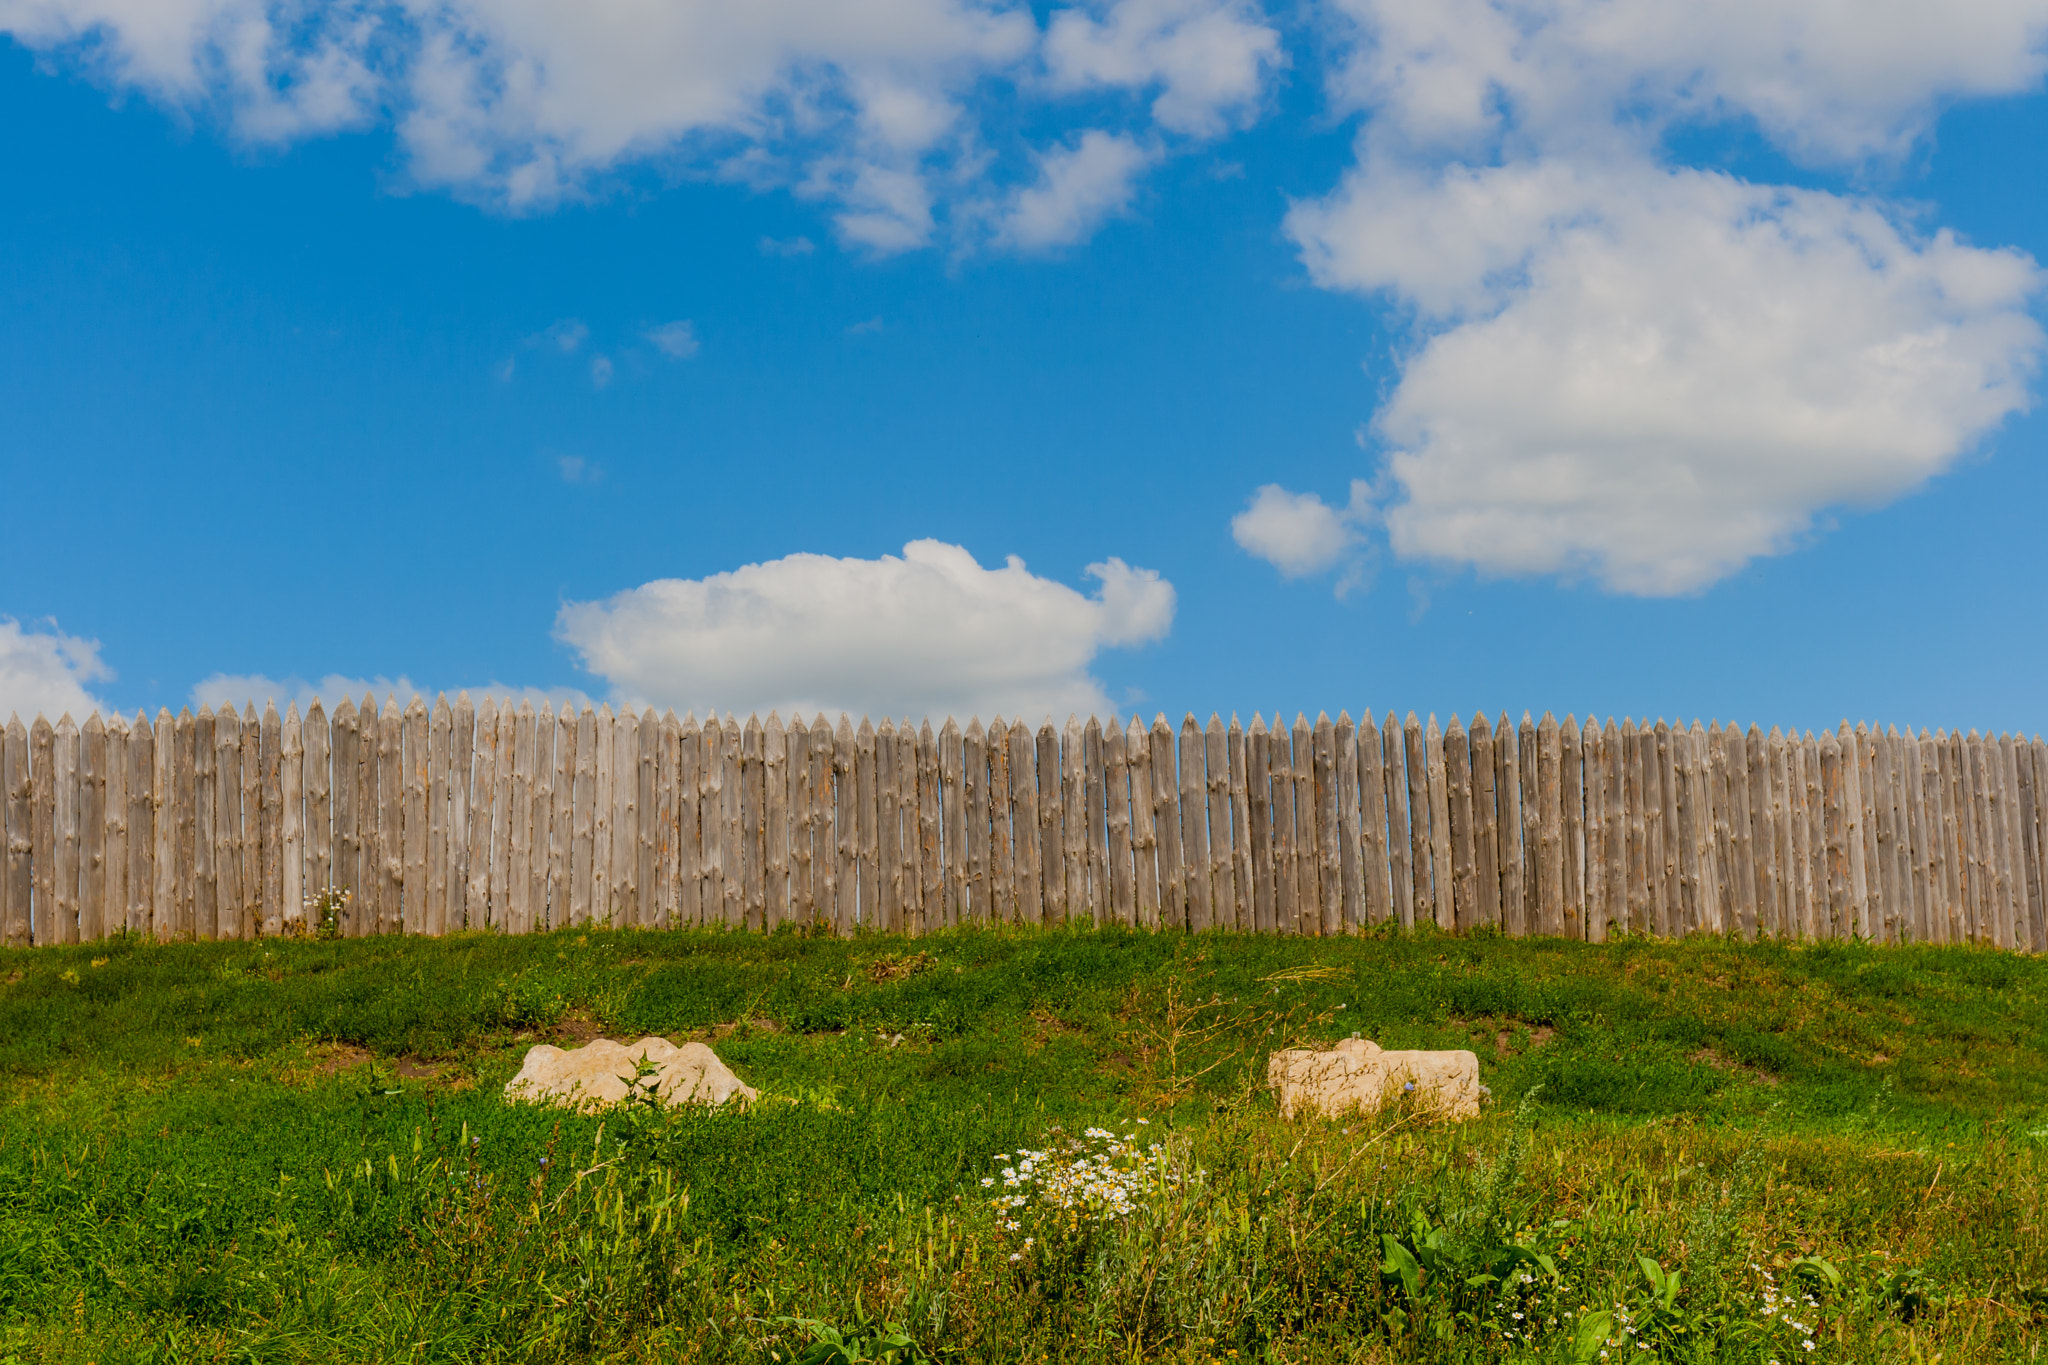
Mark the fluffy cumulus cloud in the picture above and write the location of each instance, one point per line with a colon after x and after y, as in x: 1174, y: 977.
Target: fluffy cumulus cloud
x: 1633, y: 370
x: 874, y: 106
x: 46, y: 672
x: 1077, y: 187
x: 929, y: 632
x: 1297, y: 533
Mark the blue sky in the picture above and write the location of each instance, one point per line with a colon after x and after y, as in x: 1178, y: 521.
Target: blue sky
x: 1635, y: 357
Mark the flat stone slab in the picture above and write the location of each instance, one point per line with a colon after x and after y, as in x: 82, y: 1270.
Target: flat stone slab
x: 1360, y: 1077
x: 601, y: 1073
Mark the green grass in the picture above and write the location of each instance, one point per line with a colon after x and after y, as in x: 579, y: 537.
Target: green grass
x: 297, y: 1151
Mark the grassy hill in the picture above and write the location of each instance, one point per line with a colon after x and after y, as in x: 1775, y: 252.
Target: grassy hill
x: 1696, y: 1151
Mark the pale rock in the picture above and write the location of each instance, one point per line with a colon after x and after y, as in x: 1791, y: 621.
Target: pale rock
x: 601, y: 1073
x: 1358, y: 1076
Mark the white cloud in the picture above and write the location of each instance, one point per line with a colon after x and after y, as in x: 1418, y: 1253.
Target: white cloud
x: 600, y: 371
x: 794, y: 246
x: 880, y: 106
x: 676, y: 340
x: 1210, y: 61
x: 45, y: 671
x: 1649, y: 374
x: 576, y: 469
x: 1826, y: 79
x: 565, y: 335
x: 931, y: 632
x: 1077, y: 188
x: 1297, y: 533
x: 242, y: 690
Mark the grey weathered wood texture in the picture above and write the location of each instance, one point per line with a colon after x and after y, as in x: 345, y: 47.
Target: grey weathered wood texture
x: 225, y: 824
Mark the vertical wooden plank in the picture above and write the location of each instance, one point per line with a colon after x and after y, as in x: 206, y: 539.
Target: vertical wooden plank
x: 1938, y: 817
x: 390, y: 816
x: 236, y: 875
x: 440, y: 768
x: 1763, y: 830
x: 1644, y: 859
x: 241, y: 915
x: 207, y: 780
x: 1510, y: 858
x: 561, y: 816
x: 1194, y: 824
x: 1963, y: 878
x: 1351, y: 836
x: 866, y: 816
x: 2022, y: 923
x: 142, y: 798
x: 1400, y: 842
x: 906, y: 796
x: 1237, y: 747
x: 1550, y: 904
x: 1123, y: 903
x: 1095, y: 778
x: 803, y: 897
x: 888, y: 832
x: 1173, y: 905
x: 1571, y: 779
x: 753, y: 817
x: 709, y: 807
x: 604, y: 810
x: 1778, y: 812
x: 184, y: 831
x: 1614, y: 842
x: 1924, y: 833
x: 1143, y: 823
x: 1798, y: 846
x: 1856, y: 830
x: 114, y: 815
x: 1458, y: 786
x: 461, y: 779
x: 1884, y: 836
x: 646, y: 830
x: 291, y: 778
x: 2035, y: 753
x: 1528, y: 768
x: 775, y: 827
x: 1741, y: 916
x: 17, y: 786
x: 1421, y: 848
x: 269, y: 844
x: 1286, y: 885
x: 1815, y: 875
x: 1486, y: 907
x: 1592, y: 827
x: 689, y: 781
x: 1841, y: 921
x: 953, y: 820
x: 92, y: 829
x: 824, y: 833
x: 1015, y: 860
x: 518, y: 883
x: 43, y: 833
x: 1051, y: 835
x: 1006, y: 754
x: 415, y: 732
x: 2026, y: 872
x: 582, y: 815
x: 1375, y: 863
x: 1702, y: 774
x: 1307, y: 865
x: 1260, y: 813
x: 163, y: 817
x: 1670, y: 742
x: 362, y: 775
x: 1899, y: 869
x: 846, y: 826
x: 1439, y: 827
x: 1329, y: 886
x: 626, y: 840
x: 42, y: 838
x: 931, y: 891
x: 975, y: 806
x: 1984, y: 814
x: 731, y: 822
x: 1074, y: 819
x: 541, y: 816
x: 2005, y: 830
x: 1911, y: 795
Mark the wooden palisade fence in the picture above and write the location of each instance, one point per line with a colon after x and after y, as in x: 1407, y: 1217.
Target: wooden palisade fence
x: 219, y: 825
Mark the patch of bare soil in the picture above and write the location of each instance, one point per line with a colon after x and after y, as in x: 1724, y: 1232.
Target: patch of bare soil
x: 1706, y: 1056
x: 331, y: 1059
x: 899, y: 966
x: 574, y: 1029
